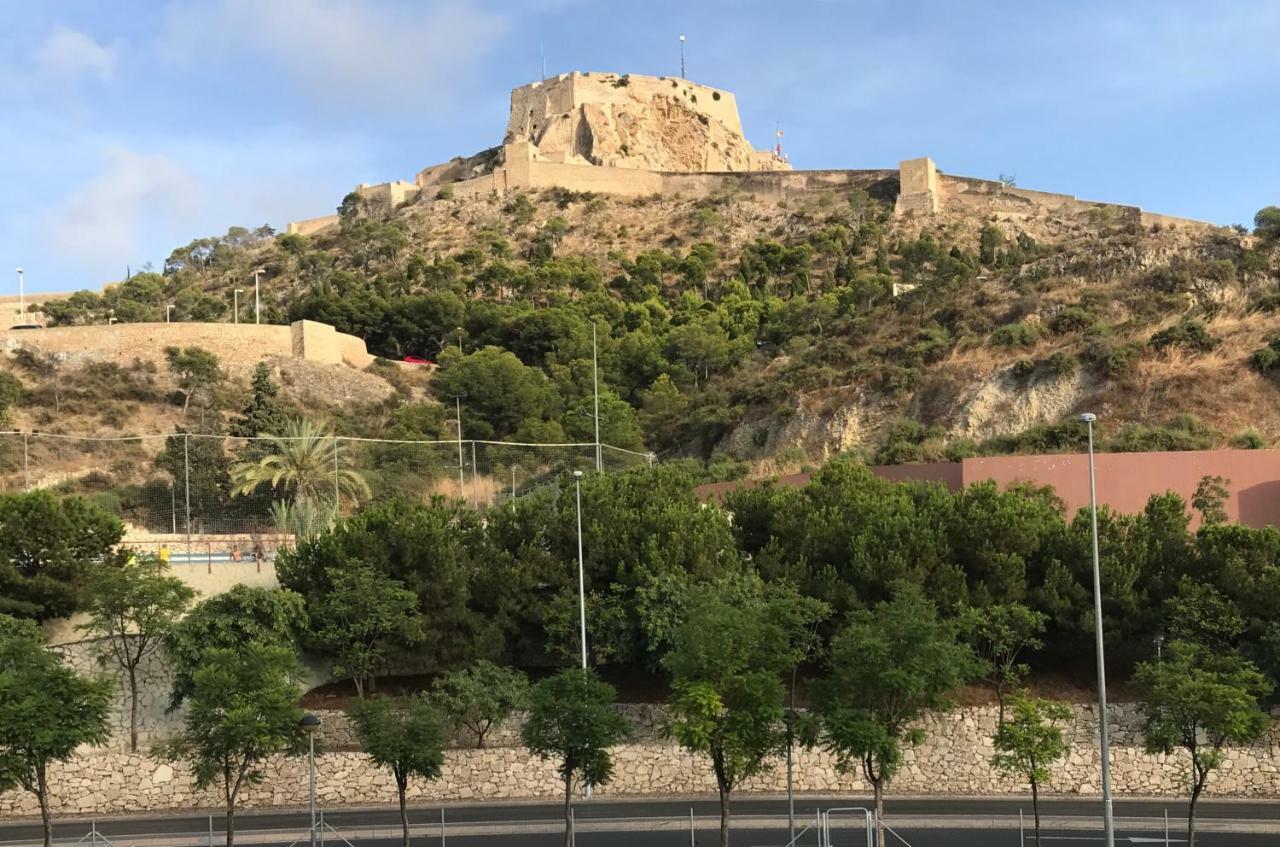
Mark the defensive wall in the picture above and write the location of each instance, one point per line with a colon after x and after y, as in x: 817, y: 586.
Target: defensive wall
x: 954, y: 758
x: 1125, y: 480
x: 125, y: 342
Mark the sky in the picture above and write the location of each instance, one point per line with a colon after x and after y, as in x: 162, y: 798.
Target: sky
x: 131, y: 127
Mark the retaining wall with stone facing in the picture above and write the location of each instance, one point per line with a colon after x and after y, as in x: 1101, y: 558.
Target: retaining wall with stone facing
x: 954, y: 759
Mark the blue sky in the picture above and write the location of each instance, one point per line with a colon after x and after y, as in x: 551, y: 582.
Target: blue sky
x: 130, y: 127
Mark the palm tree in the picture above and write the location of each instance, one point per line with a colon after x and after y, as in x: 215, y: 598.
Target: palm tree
x: 308, y: 463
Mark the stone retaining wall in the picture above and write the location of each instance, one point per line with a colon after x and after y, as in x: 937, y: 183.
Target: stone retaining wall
x: 954, y: 759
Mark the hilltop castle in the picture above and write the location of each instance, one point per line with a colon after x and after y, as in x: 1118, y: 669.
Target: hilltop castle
x: 640, y: 135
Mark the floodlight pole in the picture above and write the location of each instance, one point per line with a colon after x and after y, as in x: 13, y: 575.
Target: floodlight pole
x: 582, y: 591
x: 257, y: 301
x: 682, y: 76
x: 595, y: 386
x: 235, y: 305
x: 22, y: 297
x: 462, y: 491
x: 1108, y: 822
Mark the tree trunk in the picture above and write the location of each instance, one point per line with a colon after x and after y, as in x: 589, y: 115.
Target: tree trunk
x: 879, y: 789
x: 133, y: 710
x: 42, y: 794
x: 404, y: 812
x: 231, y: 823
x: 1035, y: 807
x: 1191, y: 811
x: 568, y: 810
x: 724, y: 815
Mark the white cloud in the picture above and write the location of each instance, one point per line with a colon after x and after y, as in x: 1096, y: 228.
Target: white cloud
x: 102, y: 223
x: 67, y: 54
x: 348, y: 53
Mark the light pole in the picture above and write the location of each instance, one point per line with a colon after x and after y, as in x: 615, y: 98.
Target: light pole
x: 1108, y: 824
x: 22, y: 298
x: 311, y: 723
x: 462, y: 490
x: 595, y: 388
x: 111, y: 316
x: 257, y: 301
x: 682, y: 76
x: 235, y: 305
x: 582, y: 590
x: 168, y: 310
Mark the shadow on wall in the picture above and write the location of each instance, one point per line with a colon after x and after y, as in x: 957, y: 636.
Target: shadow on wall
x: 1259, y: 504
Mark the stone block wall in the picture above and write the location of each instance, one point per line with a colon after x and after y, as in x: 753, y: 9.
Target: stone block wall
x: 954, y: 759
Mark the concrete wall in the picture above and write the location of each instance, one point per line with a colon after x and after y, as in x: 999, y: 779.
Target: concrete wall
x: 953, y: 759
x: 238, y: 346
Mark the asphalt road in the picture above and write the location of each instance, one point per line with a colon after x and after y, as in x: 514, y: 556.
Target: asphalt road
x: 922, y: 822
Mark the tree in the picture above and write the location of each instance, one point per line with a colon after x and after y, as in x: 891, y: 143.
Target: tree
x: 196, y: 371
x: 47, y: 710
x: 47, y: 547
x: 231, y: 620
x: 242, y: 710
x: 131, y: 609
x: 572, y: 720
x: 480, y: 697
x: 1199, y: 699
x: 999, y: 634
x: 1266, y: 224
x: 726, y: 660
x: 363, y: 619
x: 889, y: 666
x: 1210, y: 500
x: 405, y: 735
x: 1030, y: 742
x: 306, y: 461
x: 501, y: 392
x: 264, y: 413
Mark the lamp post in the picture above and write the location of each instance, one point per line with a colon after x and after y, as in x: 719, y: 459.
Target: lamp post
x: 682, y: 76
x: 1108, y: 824
x: 168, y: 310
x: 22, y: 298
x: 111, y: 316
x: 311, y: 723
x: 462, y: 491
x: 595, y: 389
x: 257, y: 301
x: 235, y: 305
x: 582, y: 591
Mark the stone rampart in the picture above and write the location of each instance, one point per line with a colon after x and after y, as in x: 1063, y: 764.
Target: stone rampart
x: 238, y: 346
x: 953, y: 759
x: 310, y: 226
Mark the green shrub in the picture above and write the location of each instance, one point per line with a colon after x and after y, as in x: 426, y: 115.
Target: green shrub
x: 445, y: 193
x: 1111, y: 358
x: 1250, y: 439
x: 1020, y: 334
x: 1070, y: 319
x: 1061, y: 364
x: 1183, y: 433
x: 1265, y: 359
x: 1188, y: 334
x: 1064, y: 437
x: 1023, y: 369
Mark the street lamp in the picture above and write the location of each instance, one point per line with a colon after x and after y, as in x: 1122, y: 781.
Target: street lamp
x: 111, y: 316
x: 682, y: 76
x: 22, y: 298
x: 311, y: 724
x: 582, y: 591
x: 168, y: 310
x: 235, y: 305
x: 1108, y: 824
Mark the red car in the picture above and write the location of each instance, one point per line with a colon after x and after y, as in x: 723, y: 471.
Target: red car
x: 417, y: 360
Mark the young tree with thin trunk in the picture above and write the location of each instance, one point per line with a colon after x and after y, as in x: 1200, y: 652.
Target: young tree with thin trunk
x: 404, y: 735
x: 131, y: 609
x: 480, y: 697
x: 364, y: 619
x: 999, y: 635
x: 889, y: 666
x: 47, y: 710
x: 1199, y: 699
x: 727, y: 660
x: 242, y: 709
x: 1029, y: 742
x: 572, y: 720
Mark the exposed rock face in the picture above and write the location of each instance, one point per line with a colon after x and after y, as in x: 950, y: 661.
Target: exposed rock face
x: 646, y: 123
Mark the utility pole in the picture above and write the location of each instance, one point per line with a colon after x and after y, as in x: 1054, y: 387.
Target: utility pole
x: 462, y: 491
x: 682, y: 76
x: 22, y: 298
x: 595, y: 384
x: 1108, y: 822
x: 257, y: 301
x: 235, y: 305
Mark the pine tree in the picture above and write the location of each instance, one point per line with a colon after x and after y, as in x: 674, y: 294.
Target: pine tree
x: 265, y: 413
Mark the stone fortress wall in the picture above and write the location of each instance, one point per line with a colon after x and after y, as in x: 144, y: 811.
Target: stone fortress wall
x: 637, y: 136
x: 953, y: 759
x: 124, y: 342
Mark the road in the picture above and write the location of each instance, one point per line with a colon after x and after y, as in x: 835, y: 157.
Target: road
x: 922, y: 822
